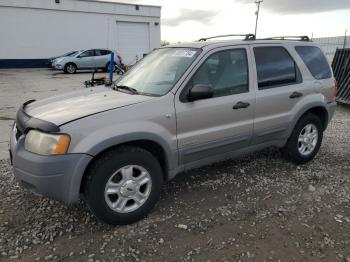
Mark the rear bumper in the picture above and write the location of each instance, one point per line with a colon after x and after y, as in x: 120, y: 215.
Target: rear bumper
x: 331, y: 107
x: 58, y: 177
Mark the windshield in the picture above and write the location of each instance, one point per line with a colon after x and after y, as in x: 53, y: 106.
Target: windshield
x: 72, y: 53
x: 78, y: 53
x: 157, y: 73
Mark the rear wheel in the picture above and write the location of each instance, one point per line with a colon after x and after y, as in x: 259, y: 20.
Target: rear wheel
x: 305, y: 141
x: 123, y: 185
x: 70, y: 68
x: 108, y: 66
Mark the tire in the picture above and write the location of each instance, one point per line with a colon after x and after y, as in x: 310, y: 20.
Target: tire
x: 70, y: 68
x: 117, y: 170
x: 107, y: 68
x: 302, y: 146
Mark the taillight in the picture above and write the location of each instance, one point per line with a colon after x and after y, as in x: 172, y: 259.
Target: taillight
x: 335, y: 89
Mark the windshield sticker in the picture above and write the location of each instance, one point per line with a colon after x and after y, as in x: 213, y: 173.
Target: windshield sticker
x: 184, y: 53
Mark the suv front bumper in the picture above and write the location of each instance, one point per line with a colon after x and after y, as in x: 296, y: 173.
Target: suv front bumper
x: 58, y: 177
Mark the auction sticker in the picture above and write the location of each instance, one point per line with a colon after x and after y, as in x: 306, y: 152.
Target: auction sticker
x: 184, y: 53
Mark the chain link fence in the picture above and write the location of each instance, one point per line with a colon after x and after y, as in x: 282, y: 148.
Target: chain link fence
x: 330, y: 44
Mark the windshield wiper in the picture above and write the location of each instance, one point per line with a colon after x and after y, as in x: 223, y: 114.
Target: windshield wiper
x: 128, y: 88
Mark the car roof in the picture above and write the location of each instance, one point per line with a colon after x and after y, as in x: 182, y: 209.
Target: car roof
x: 217, y: 44
x: 87, y: 49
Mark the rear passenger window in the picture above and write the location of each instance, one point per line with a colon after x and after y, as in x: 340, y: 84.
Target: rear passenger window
x: 275, y: 67
x: 102, y: 52
x: 315, y: 61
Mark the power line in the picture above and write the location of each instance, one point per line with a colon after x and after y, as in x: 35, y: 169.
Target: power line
x: 258, y: 2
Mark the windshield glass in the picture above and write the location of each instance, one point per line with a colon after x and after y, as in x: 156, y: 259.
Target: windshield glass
x: 68, y: 54
x: 157, y: 73
x: 72, y: 53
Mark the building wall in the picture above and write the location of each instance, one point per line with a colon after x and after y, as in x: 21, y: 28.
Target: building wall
x: 39, y: 29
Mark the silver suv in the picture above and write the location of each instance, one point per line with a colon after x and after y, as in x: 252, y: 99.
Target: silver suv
x: 84, y: 59
x: 179, y: 108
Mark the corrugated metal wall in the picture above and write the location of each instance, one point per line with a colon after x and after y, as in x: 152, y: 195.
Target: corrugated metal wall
x: 341, y: 69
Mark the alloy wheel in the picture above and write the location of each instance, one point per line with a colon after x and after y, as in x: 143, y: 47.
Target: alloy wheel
x: 128, y: 188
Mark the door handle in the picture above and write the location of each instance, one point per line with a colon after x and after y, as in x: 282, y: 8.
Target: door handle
x: 240, y: 105
x: 295, y: 95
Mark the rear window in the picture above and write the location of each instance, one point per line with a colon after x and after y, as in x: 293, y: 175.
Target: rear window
x: 315, y: 61
x: 102, y: 52
x: 275, y: 67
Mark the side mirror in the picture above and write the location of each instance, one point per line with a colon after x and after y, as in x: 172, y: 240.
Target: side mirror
x: 199, y: 92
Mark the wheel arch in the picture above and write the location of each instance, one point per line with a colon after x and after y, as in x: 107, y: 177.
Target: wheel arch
x: 66, y: 64
x: 317, y: 109
x: 155, y: 148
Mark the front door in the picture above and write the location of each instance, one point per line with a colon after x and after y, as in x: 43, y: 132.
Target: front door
x: 86, y: 59
x: 214, y: 127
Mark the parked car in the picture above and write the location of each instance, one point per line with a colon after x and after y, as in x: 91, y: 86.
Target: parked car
x: 85, y: 59
x: 51, y: 61
x: 179, y: 108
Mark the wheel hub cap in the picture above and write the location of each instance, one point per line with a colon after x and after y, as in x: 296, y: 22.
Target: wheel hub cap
x: 308, y: 139
x: 128, y: 188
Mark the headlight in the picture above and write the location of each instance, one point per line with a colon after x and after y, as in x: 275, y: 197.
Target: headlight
x: 58, y: 60
x: 46, y: 144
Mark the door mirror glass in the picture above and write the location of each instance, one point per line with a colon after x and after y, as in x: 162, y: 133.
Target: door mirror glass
x: 199, y: 92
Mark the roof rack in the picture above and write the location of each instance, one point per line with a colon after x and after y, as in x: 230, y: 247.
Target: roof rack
x: 246, y: 37
x: 296, y: 38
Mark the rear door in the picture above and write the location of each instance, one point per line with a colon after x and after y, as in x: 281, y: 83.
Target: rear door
x: 102, y: 57
x: 212, y: 128
x: 279, y: 88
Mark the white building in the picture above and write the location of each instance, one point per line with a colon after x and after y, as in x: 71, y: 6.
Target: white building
x: 33, y: 30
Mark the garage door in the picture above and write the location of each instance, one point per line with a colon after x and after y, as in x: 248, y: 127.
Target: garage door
x: 132, y: 40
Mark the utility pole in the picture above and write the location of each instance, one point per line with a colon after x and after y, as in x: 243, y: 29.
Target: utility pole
x: 258, y: 2
x: 344, y: 45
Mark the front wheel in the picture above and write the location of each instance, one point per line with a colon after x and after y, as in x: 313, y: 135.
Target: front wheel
x: 305, y: 141
x: 123, y: 185
x: 70, y: 68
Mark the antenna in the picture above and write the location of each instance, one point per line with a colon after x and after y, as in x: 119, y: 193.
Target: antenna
x: 258, y: 2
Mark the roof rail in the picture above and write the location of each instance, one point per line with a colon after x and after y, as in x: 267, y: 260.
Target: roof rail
x: 246, y: 37
x: 296, y: 38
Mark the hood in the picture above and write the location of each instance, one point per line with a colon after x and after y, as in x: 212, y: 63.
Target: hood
x: 73, y: 105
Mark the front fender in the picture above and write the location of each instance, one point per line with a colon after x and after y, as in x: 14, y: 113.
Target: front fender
x: 97, y: 141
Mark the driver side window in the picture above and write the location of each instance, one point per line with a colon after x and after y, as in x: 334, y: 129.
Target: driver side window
x: 88, y: 53
x: 225, y: 71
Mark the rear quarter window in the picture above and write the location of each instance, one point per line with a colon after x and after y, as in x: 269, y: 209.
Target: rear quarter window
x: 315, y: 61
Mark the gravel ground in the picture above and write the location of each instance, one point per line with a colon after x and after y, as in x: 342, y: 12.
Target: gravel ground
x: 257, y: 208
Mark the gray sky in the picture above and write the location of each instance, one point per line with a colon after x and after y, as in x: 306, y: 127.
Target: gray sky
x: 188, y: 20
x: 302, y: 6
x: 202, y: 16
